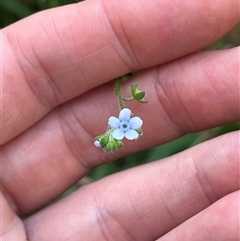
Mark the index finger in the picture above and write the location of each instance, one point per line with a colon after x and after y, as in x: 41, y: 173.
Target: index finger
x: 57, y: 55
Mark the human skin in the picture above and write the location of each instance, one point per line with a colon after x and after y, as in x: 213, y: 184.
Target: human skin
x: 57, y: 96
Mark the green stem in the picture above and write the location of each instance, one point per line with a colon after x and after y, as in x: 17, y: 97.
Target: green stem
x: 118, y: 93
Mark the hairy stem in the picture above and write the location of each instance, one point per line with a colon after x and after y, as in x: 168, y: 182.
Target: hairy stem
x: 118, y: 93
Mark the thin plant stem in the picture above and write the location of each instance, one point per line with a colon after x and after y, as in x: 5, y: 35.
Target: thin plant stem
x: 118, y: 93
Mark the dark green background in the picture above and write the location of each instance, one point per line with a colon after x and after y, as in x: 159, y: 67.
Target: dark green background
x: 14, y: 10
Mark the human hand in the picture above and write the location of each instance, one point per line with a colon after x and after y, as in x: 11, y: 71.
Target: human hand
x: 56, y: 99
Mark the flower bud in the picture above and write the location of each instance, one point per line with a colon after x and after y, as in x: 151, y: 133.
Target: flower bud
x: 119, y: 144
x: 97, y: 143
x: 137, y: 94
x: 111, y: 147
x: 101, y: 141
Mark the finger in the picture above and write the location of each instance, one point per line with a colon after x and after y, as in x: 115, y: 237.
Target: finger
x: 58, y: 151
x: 146, y: 202
x: 12, y: 228
x: 219, y: 222
x: 59, y: 54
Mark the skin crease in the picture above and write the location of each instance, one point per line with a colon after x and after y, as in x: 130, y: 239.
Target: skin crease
x: 56, y: 98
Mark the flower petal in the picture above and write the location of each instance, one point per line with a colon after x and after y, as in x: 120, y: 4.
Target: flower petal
x: 135, y: 123
x: 118, y: 134
x: 114, y: 122
x: 125, y: 114
x: 131, y: 135
x: 97, y: 143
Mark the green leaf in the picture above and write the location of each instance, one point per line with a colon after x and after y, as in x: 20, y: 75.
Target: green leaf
x: 16, y: 7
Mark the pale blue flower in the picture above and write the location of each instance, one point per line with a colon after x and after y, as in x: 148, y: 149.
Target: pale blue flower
x: 125, y: 125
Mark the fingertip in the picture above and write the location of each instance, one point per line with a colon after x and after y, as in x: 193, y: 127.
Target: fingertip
x: 11, y: 225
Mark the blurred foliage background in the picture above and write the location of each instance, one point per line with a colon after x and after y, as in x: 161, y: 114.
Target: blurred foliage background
x: 14, y: 10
